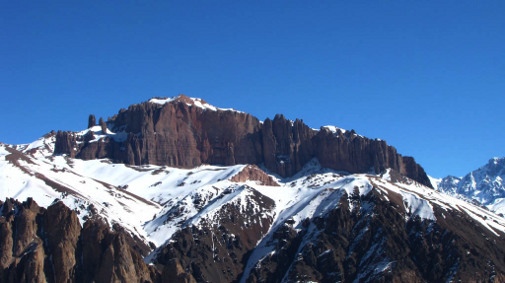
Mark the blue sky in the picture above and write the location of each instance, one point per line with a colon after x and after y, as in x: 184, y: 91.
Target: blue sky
x: 426, y: 76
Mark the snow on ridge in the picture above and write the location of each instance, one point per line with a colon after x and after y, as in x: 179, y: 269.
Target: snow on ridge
x: 3, y: 151
x: 419, y: 200
x: 99, y: 134
x: 435, y: 182
x: 417, y: 206
x: 161, y: 101
x: 190, y: 101
x: 111, y: 187
x: 484, y: 185
x: 334, y: 129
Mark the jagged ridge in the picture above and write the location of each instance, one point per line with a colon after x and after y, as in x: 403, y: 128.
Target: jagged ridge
x: 184, y: 132
x: 483, y: 186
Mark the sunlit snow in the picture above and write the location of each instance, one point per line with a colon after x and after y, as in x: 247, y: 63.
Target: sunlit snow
x: 154, y: 202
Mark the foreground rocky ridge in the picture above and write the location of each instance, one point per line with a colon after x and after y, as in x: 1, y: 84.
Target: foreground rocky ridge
x: 49, y: 245
x: 235, y: 224
x: 363, y: 232
x: 185, y: 132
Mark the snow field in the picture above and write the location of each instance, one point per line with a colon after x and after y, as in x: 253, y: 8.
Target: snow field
x: 154, y: 202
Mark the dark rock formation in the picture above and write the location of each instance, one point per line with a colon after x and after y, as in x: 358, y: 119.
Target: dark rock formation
x: 183, y: 134
x: 65, y: 143
x: 365, y: 238
x: 372, y: 243
x: 61, y: 231
x: 91, y: 121
x: 107, y: 256
x: 22, y: 257
x: 103, y: 125
x: 48, y: 245
x: 353, y: 153
x: 218, y: 252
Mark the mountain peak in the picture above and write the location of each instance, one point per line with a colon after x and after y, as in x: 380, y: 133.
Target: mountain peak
x: 187, y: 132
x: 484, y: 185
x: 496, y: 161
x: 189, y: 101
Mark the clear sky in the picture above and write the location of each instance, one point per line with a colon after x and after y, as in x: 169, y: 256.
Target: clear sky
x: 426, y: 76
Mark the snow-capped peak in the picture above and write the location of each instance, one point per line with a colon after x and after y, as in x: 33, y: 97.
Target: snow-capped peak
x: 484, y: 185
x: 190, y: 101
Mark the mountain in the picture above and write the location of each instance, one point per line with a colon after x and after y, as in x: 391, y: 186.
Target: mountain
x: 186, y: 132
x: 483, y: 186
x: 77, y: 208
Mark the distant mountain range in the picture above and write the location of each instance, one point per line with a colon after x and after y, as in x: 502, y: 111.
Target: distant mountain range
x: 484, y: 186
x: 178, y: 190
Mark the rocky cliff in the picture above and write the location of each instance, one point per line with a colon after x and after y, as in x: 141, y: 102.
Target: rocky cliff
x: 185, y: 132
x: 49, y: 245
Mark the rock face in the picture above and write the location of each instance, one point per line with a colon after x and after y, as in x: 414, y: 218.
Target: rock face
x: 48, y: 245
x: 356, y: 237
x: 213, y: 252
x: 186, y: 133
x: 253, y: 173
x: 372, y: 243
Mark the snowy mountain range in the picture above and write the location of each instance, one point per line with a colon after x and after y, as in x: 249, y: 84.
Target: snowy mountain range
x: 483, y: 186
x: 103, y: 217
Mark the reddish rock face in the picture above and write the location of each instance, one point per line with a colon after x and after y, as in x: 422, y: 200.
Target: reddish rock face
x: 182, y: 134
x: 48, y: 245
x: 253, y: 173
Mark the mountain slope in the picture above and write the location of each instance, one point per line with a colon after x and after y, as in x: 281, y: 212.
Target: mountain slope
x: 89, y: 219
x: 483, y: 186
x: 318, y: 225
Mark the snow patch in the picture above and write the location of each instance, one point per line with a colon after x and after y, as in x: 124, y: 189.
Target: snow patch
x: 198, y: 102
x: 416, y: 206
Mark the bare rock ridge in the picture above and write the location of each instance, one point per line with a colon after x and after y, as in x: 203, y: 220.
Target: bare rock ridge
x: 186, y: 133
x: 365, y: 238
x: 49, y: 245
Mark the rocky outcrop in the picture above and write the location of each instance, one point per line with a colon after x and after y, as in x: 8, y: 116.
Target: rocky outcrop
x: 183, y: 133
x: 361, y: 238
x: 49, y: 245
x: 217, y: 249
x: 61, y: 230
x: 353, y: 153
x: 372, y: 243
x: 253, y: 173
x: 91, y: 121
x: 107, y: 256
x: 66, y: 143
x: 22, y: 257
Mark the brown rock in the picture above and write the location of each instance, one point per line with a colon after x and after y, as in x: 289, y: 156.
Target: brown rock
x: 65, y: 143
x: 91, y: 121
x: 182, y: 134
x: 61, y: 231
x: 174, y: 272
x: 109, y: 256
x: 253, y: 173
x: 22, y: 257
x: 39, y: 245
x: 218, y: 252
x: 25, y: 226
x: 6, y: 241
